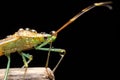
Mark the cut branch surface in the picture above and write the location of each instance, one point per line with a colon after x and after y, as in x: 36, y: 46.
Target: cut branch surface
x: 34, y: 73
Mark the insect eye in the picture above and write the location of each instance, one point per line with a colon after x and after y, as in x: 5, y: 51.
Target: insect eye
x: 52, y: 32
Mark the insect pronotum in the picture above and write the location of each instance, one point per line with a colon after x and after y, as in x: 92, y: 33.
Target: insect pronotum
x: 25, y: 39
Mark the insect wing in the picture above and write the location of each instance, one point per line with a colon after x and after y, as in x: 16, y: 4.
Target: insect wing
x: 7, y: 40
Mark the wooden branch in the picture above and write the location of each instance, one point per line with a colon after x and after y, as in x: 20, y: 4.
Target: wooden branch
x: 33, y: 73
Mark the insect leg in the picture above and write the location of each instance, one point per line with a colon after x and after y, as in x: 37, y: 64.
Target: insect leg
x: 30, y: 57
x: 61, y: 51
x: 24, y: 56
x: 8, y: 67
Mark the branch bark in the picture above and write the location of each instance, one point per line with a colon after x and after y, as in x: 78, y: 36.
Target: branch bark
x: 33, y: 73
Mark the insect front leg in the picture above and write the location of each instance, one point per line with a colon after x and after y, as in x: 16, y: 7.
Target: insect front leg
x: 24, y: 56
x: 8, y: 66
x: 62, y: 53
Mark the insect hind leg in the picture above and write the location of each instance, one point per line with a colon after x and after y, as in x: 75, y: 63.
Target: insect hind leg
x: 8, y: 66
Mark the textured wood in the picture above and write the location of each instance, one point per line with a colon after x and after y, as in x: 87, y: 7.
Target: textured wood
x: 34, y: 73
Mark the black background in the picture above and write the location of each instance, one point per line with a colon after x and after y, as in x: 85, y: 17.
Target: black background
x: 89, y: 41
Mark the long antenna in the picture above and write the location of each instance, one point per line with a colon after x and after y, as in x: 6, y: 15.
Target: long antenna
x: 106, y: 4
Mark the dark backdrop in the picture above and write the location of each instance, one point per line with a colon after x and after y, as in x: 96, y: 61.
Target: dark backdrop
x: 88, y: 41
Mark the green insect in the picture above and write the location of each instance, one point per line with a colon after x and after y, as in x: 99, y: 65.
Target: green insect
x: 25, y: 39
